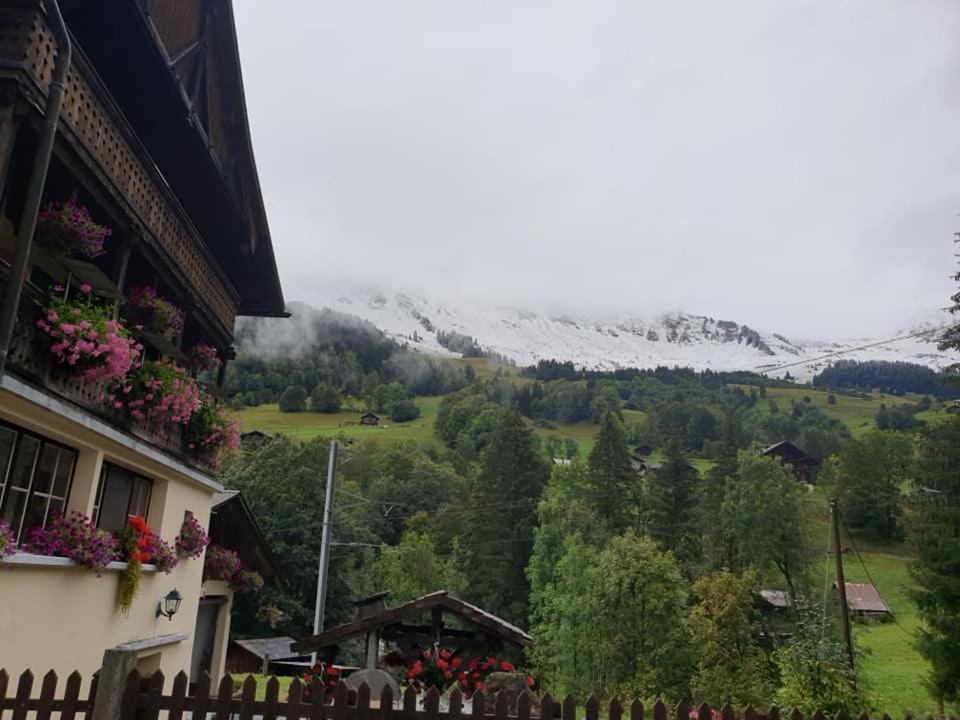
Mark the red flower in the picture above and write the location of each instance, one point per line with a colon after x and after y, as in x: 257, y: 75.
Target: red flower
x: 473, y: 663
x: 332, y: 671
x: 427, y: 654
x: 445, y: 654
x: 462, y: 678
x: 506, y: 666
x: 456, y: 662
x: 478, y: 686
x: 138, y: 524
x: 448, y: 675
x: 136, y: 556
x: 443, y: 664
x: 531, y: 682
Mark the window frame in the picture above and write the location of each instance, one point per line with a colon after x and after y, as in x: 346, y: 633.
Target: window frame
x: 30, y: 492
x: 137, y: 480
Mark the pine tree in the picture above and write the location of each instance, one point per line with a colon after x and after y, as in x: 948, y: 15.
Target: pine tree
x: 500, y: 536
x: 672, y: 503
x: 613, y: 481
x: 936, y: 535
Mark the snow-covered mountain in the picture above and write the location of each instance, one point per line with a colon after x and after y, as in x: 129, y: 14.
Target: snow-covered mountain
x: 682, y: 339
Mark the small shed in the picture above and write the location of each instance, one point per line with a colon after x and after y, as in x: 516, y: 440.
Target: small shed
x: 273, y: 653
x: 777, y: 600
x: 864, y: 600
x: 369, y: 419
x: 473, y: 628
x: 804, y: 466
x: 252, y: 438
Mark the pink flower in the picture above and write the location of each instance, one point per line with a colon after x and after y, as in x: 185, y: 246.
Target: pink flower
x: 85, y: 288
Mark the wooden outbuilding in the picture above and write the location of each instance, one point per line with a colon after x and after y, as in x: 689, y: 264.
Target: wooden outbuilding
x: 804, y: 466
x: 472, y: 628
x: 264, y: 655
x: 864, y: 600
x: 369, y: 419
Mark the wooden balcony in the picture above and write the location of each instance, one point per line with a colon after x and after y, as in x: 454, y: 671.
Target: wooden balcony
x: 93, y: 130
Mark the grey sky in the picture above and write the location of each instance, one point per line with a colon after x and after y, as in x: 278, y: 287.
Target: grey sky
x: 790, y: 164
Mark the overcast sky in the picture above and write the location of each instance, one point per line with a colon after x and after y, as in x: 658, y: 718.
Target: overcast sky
x: 790, y: 164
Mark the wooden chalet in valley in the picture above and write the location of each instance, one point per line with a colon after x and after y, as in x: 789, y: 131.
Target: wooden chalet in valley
x: 804, y: 466
x: 127, y: 115
x: 369, y: 419
x: 864, y: 600
x: 471, y: 628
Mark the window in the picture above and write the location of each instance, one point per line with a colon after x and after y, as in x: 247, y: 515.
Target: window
x: 120, y: 495
x: 35, y: 477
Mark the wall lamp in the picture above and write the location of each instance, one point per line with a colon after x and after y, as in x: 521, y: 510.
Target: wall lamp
x: 170, y: 604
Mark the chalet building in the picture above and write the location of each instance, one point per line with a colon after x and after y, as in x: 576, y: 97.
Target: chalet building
x: 864, y: 601
x: 149, y: 139
x: 369, y: 419
x: 804, y: 466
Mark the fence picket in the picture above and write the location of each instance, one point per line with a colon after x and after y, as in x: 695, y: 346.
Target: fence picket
x: 863, y: 716
x: 409, y: 704
x: 317, y: 696
x: 48, y: 689
x: 248, y: 696
x: 749, y: 713
x: 151, y: 710
x: 4, y: 681
x: 270, y: 698
x: 659, y: 710
x: 548, y: 708
x: 636, y: 710
x: 178, y: 697
x: 819, y: 715
x: 614, y: 710
x: 727, y: 712
x: 523, y: 705
x: 569, y: 709
x: 842, y: 715
x: 340, y: 698
x: 131, y: 696
x: 593, y: 708
x: 501, y: 706
x: 294, y: 696
x: 773, y: 713
x: 431, y: 704
x: 71, y: 696
x: 201, y: 699
x: 363, y: 702
x: 24, y: 686
x: 682, y: 710
x: 224, y: 696
x: 479, y: 705
x: 386, y: 703
x: 704, y: 712
x: 456, y: 704
x: 796, y: 714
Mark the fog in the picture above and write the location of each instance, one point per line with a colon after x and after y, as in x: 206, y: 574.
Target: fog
x: 791, y: 165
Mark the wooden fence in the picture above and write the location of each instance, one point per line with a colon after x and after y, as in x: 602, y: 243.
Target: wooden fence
x: 144, y: 699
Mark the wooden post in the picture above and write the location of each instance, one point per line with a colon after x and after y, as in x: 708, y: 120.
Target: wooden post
x: 114, y: 673
x: 842, y: 587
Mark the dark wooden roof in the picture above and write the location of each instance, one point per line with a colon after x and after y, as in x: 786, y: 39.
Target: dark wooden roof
x: 233, y: 526
x: 389, y: 616
x: 864, y: 597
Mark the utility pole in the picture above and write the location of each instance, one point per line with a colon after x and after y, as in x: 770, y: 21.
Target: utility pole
x: 842, y: 587
x: 325, y: 546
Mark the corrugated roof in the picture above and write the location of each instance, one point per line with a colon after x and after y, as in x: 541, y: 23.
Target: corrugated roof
x: 864, y: 597
x: 777, y: 598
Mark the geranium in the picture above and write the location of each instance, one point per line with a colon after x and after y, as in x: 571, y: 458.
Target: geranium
x: 77, y: 538
x: 213, y: 432
x: 158, y: 390
x: 7, y: 540
x: 192, y: 540
x: 65, y: 227
x: 88, y: 339
x: 326, y: 675
x: 135, y: 546
x: 439, y: 668
x: 204, y: 357
x: 156, y: 314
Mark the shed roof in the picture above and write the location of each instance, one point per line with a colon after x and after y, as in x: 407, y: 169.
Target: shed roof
x: 388, y: 616
x: 864, y: 597
x: 278, y: 648
x: 777, y: 598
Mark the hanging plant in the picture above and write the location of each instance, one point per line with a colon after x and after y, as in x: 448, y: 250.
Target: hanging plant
x: 158, y: 390
x: 224, y: 564
x: 213, y: 432
x: 134, y: 543
x: 203, y: 357
x: 87, y: 338
x: 271, y: 614
x: 148, y: 311
x: 65, y: 227
x: 192, y: 540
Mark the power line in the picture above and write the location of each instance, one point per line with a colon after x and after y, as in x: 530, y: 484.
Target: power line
x: 763, y: 369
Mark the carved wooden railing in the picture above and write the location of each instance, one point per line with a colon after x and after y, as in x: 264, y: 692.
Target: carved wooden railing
x: 92, y: 122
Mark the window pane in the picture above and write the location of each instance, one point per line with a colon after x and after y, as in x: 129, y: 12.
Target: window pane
x: 7, y: 438
x: 140, y: 500
x: 99, y: 497
x: 61, y: 481
x: 12, y: 509
x: 43, y: 475
x: 116, y: 499
x: 35, y: 517
x: 22, y: 471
